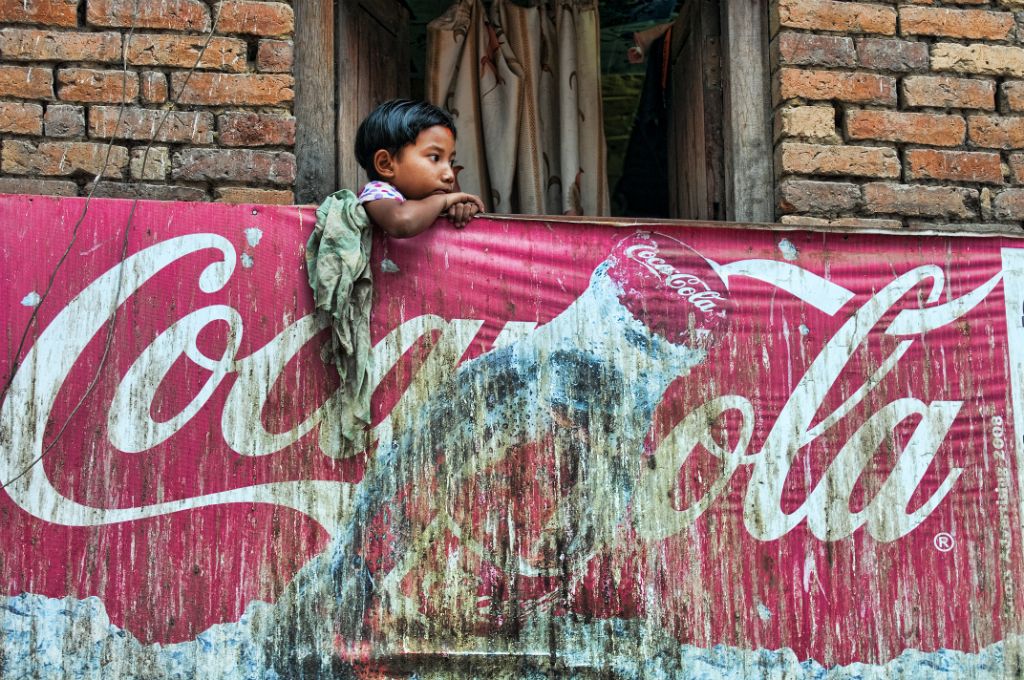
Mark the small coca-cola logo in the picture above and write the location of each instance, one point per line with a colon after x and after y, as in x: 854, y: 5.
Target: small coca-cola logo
x: 689, y: 286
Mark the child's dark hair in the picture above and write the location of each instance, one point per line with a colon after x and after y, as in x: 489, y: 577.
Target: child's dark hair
x: 394, y: 124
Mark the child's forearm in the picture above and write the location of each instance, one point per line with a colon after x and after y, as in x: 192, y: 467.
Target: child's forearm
x: 408, y: 218
x: 411, y: 217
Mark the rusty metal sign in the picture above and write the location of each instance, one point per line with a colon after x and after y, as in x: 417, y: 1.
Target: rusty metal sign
x: 646, y: 451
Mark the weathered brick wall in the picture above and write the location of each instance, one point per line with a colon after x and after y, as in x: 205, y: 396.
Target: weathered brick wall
x: 899, y: 114
x: 229, y: 132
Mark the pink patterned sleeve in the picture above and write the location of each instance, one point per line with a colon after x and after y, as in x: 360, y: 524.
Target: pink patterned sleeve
x: 376, y: 190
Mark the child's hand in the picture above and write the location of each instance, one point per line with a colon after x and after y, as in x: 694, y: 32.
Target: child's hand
x: 462, y: 207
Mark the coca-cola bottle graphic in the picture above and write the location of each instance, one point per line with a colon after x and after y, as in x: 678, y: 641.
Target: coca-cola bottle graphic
x: 586, y: 383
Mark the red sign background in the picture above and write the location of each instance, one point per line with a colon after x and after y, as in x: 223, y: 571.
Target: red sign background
x: 838, y: 597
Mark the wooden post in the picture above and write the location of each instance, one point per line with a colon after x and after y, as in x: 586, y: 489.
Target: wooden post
x: 749, y: 180
x: 315, y: 132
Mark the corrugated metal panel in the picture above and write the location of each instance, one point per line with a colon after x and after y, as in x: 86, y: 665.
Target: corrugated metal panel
x: 655, y: 451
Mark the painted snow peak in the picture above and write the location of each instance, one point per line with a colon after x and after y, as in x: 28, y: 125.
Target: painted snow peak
x: 581, y: 388
x: 669, y: 287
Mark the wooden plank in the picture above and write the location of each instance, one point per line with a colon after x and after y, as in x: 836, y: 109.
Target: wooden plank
x: 714, y: 143
x: 687, y: 181
x: 373, y: 66
x: 390, y: 14
x: 686, y: 19
x: 696, y: 148
x: 349, y: 173
x: 315, y: 135
x: 747, y: 118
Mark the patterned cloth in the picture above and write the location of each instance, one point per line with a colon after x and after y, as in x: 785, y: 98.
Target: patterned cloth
x: 376, y: 190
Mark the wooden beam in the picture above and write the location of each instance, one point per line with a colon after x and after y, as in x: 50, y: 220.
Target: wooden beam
x: 749, y: 179
x: 315, y: 126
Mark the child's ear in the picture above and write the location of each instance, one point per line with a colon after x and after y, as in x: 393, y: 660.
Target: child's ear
x: 384, y: 163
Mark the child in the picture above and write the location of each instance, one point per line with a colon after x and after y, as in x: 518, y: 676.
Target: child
x: 408, y: 151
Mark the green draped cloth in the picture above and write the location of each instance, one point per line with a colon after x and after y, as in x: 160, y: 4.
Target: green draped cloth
x: 338, y: 264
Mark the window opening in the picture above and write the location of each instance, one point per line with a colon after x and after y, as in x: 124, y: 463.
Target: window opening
x: 666, y: 115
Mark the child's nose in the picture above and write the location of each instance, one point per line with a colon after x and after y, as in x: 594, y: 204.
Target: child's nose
x: 448, y: 175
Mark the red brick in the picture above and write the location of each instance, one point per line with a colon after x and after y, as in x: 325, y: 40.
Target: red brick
x: 961, y: 227
x: 917, y: 128
x: 26, y: 82
x: 919, y: 201
x: 1013, y: 95
x: 243, y: 89
x: 883, y: 54
x: 1017, y: 168
x: 234, y: 165
x: 149, y: 192
x: 1009, y: 205
x: 841, y: 17
x: 963, y: 166
x: 799, y: 195
x: 842, y: 222
x: 30, y: 44
x: 38, y: 187
x: 64, y: 120
x: 151, y: 124
x: 21, y: 119
x: 854, y: 87
x: 997, y: 132
x: 90, y: 85
x: 153, y: 87
x: 812, y: 122
x: 62, y: 158
x: 255, y: 18
x: 223, y: 54
x: 972, y: 24
x: 275, y: 56
x: 808, y: 49
x: 818, y: 159
x: 257, y: 196
x: 949, y: 92
x: 986, y: 60
x: 49, y: 12
x: 255, y: 129
x: 157, y: 163
x: 178, y: 15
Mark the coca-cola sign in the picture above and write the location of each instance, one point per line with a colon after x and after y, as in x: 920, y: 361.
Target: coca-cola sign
x: 757, y: 439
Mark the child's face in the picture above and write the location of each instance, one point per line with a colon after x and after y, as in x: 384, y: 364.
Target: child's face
x: 425, y: 166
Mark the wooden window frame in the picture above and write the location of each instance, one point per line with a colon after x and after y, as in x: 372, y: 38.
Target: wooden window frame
x: 338, y: 81
x: 323, y: 126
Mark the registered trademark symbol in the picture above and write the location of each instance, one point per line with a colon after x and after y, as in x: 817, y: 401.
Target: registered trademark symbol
x: 943, y: 541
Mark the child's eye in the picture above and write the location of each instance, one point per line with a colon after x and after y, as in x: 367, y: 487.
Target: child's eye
x: 434, y: 157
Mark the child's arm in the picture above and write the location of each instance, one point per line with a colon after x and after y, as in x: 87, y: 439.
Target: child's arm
x: 402, y: 219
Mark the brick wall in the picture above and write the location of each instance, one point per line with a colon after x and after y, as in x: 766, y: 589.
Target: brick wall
x: 899, y: 114
x: 228, y: 134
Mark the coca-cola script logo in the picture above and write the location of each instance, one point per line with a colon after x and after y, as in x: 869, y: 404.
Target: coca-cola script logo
x: 671, y: 288
x: 688, y: 286
x: 26, y: 410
